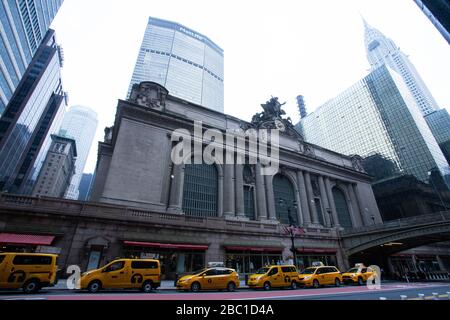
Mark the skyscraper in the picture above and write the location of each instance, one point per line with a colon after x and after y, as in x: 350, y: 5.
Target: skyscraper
x: 80, y: 123
x: 378, y: 117
x: 23, y: 25
x: 438, y: 11
x: 439, y: 123
x: 58, y: 168
x: 34, y: 112
x: 182, y: 60
x: 383, y: 51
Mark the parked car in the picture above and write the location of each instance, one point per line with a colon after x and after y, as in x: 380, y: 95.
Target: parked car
x: 274, y: 277
x: 210, y: 279
x: 319, y: 276
x: 124, y: 274
x: 28, y: 271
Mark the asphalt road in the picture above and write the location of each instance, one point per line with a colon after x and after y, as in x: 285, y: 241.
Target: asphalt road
x: 391, y: 291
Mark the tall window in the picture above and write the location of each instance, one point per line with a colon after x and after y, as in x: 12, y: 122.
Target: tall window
x: 342, y: 208
x: 249, y: 202
x: 200, y: 194
x: 284, y: 200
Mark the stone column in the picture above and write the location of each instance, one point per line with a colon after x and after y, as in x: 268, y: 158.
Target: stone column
x: 326, y: 203
x: 260, y: 194
x: 334, y: 214
x: 357, y: 207
x: 311, y: 202
x: 229, y: 205
x: 366, y: 219
x: 176, y: 190
x: 240, y: 207
x: 350, y: 205
x: 303, y: 198
x: 220, y: 196
x: 271, y: 210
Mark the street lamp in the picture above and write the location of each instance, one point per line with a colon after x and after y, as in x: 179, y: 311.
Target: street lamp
x: 292, y: 229
x: 430, y: 179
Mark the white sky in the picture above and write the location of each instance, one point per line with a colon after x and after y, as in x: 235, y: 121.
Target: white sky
x: 282, y: 48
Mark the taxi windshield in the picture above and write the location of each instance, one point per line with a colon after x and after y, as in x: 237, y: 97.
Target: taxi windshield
x: 354, y: 270
x: 309, y: 271
x: 263, y: 270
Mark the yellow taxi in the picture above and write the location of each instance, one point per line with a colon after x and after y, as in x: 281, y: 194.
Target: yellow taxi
x: 320, y: 276
x: 124, y: 274
x: 274, y: 277
x: 210, y: 279
x: 28, y: 271
x: 359, y: 275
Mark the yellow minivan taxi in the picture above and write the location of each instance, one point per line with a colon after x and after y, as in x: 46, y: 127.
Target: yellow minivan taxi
x: 124, y: 274
x: 358, y: 275
x: 274, y: 277
x: 210, y: 279
x: 320, y: 276
x: 28, y: 271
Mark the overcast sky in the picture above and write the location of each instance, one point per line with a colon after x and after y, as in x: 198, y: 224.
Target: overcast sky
x: 282, y: 48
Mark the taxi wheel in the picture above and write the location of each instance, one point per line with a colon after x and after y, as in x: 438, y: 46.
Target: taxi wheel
x: 31, y: 286
x: 195, y: 287
x: 267, y: 286
x: 360, y: 281
x: 294, y: 285
x: 94, y: 286
x: 316, y: 284
x: 231, y: 287
x: 337, y: 282
x: 147, y: 287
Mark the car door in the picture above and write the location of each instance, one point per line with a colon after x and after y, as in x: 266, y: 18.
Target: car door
x: 116, y: 275
x: 276, y: 277
x: 209, y: 279
x: 322, y: 276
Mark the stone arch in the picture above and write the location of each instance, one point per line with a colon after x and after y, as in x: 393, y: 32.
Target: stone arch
x: 285, y: 188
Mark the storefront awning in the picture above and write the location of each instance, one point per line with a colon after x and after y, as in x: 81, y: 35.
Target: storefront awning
x: 253, y: 249
x: 28, y: 239
x: 166, y: 245
x: 317, y: 250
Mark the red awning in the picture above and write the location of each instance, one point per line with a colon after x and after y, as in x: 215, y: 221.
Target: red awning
x: 313, y: 250
x: 166, y: 245
x: 12, y: 238
x: 254, y: 249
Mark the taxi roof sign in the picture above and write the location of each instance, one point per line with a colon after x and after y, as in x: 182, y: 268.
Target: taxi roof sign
x: 359, y: 265
x: 318, y: 264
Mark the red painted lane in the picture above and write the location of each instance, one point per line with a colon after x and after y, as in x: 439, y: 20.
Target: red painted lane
x: 212, y: 296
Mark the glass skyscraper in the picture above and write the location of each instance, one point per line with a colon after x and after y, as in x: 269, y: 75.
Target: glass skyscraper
x: 33, y: 114
x: 185, y: 62
x: 378, y: 116
x: 23, y: 26
x: 80, y: 123
x: 383, y: 51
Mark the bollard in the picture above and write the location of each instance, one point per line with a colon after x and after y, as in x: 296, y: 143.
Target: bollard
x: 421, y: 296
x: 404, y: 297
x: 435, y: 296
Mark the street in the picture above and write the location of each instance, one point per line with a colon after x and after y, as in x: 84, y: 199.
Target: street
x: 390, y: 291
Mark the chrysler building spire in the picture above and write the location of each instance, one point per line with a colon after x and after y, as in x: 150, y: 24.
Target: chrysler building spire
x: 383, y: 51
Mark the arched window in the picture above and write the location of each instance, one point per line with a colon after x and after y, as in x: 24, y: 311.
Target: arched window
x: 342, y: 208
x: 284, y: 191
x: 249, y: 192
x: 200, y: 194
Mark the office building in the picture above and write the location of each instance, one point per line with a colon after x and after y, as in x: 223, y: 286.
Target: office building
x: 439, y: 123
x: 182, y: 60
x: 85, y: 187
x: 34, y: 113
x: 378, y: 117
x: 79, y: 123
x: 438, y: 11
x: 58, y: 168
x: 23, y: 26
x: 383, y: 51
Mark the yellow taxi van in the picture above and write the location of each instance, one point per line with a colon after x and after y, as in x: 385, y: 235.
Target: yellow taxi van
x: 320, y: 276
x: 143, y: 274
x: 28, y: 271
x: 210, y: 279
x: 358, y: 275
x: 274, y: 277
